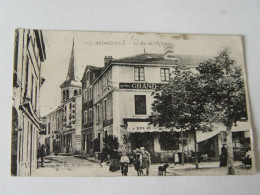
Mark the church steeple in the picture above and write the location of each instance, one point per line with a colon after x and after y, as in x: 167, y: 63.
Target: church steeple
x: 71, y: 74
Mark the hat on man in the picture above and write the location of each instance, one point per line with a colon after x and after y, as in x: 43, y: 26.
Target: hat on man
x: 142, y: 148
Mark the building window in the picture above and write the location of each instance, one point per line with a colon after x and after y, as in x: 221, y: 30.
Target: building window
x: 64, y: 95
x: 139, y: 73
x: 79, y: 91
x: 67, y: 94
x: 90, y: 115
x: 36, y: 97
x: 49, y: 128
x: 85, y: 95
x: 140, y: 104
x: 90, y: 93
x: 32, y: 87
x: 98, y: 114
x: 165, y: 74
x: 75, y: 92
x: 26, y: 74
x: 105, y: 109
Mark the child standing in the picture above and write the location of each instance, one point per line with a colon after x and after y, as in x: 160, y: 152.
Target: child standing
x: 124, y: 160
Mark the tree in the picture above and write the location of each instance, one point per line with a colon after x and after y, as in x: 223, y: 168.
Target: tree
x: 111, y: 141
x: 180, y: 104
x: 223, y: 84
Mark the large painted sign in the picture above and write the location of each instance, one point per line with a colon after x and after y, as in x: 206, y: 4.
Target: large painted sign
x: 140, y: 85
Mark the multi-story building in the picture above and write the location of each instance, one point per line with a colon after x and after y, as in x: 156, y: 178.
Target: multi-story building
x: 63, y: 125
x: 87, y: 109
x: 122, y: 99
x: 29, y: 53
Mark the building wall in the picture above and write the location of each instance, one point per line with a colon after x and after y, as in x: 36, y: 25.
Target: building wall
x: 124, y: 99
x: 26, y: 93
x: 103, y: 119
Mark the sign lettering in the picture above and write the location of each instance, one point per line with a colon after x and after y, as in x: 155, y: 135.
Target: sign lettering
x: 140, y: 85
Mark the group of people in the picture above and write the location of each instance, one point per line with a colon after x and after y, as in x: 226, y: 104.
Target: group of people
x: 141, y: 158
x: 142, y: 161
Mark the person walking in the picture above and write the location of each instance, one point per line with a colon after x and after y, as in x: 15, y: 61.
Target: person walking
x: 104, y: 155
x: 42, y: 154
x: 145, y: 160
x: 137, y: 161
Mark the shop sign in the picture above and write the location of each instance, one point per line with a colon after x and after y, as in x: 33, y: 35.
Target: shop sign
x: 139, y: 85
x: 143, y: 127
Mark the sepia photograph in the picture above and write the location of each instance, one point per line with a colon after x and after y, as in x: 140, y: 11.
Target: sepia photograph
x: 117, y: 104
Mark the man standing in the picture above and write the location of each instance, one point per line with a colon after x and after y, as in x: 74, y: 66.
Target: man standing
x: 42, y: 154
x: 146, y: 160
x: 223, y: 156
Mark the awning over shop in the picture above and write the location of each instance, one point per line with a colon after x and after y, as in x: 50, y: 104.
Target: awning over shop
x: 202, y: 136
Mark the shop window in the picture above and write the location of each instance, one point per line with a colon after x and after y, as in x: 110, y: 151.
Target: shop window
x: 165, y: 74
x: 139, y: 73
x: 169, y: 142
x: 140, y: 104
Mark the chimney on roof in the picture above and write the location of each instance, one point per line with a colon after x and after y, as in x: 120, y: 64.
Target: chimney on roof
x: 108, y: 60
x: 169, y: 52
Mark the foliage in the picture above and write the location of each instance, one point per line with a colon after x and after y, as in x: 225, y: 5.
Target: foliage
x: 111, y: 141
x: 223, y: 85
x: 180, y: 104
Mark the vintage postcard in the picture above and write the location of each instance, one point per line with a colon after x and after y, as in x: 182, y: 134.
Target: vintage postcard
x: 112, y: 104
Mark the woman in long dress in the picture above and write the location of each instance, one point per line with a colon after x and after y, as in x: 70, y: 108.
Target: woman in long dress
x: 176, y: 158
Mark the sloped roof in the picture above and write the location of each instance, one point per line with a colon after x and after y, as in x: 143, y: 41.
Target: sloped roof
x: 145, y: 59
x: 188, y: 60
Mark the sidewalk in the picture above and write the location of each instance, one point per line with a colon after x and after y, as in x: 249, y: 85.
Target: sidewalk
x: 202, y: 165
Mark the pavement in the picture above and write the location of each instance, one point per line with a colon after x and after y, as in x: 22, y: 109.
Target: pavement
x: 69, y: 166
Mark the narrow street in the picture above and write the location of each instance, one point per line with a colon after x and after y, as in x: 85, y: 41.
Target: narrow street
x: 69, y: 166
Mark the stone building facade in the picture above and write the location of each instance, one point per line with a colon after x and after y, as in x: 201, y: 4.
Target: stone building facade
x: 87, y: 109
x: 29, y: 54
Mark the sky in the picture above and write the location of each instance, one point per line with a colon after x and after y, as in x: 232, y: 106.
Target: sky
x: 90, y: 48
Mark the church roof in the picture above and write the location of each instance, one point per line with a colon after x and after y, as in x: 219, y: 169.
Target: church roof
x: 70, y: 79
